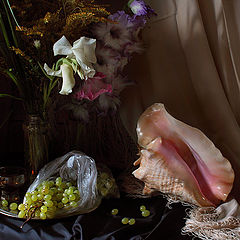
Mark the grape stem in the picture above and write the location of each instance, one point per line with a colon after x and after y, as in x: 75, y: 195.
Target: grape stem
x: 30, y: 217
x: 34, y: 208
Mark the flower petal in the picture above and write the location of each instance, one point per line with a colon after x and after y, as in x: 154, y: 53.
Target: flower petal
x: 93, y: 88
x: 84, y: 49
x: 62, y: 47
x: 68, y: 79
x: 87, y: 71
x: 51, y: 72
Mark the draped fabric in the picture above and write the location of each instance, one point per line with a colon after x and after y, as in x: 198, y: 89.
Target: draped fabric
x: 163, y: 223
x: 192, y: 66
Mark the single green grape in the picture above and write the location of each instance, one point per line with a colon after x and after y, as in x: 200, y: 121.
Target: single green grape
x: 4, y: 203
x: 58, y: 179
x: 73, y: 204
x: 48, y: 203
x: 60, y: 205
x: 69, y: 184
x: 40, y: 196
x: 125, y: 220
x: 21, y: 207
x: 114, y: 211
x: 72, y: 197
x: 34, y: 198
x: 131, y: 221
x: 43, y: 209
x: 142, y: 208
x: 42, y: 215
x: 145, y: 213
x: 13, y: 206
x: 28, y: 195
x: 70, y: 191
x: 64, y: 200
x: 29, y: 201
x: 21, y: 214
x: 47, y: 197
x: 51, y: 183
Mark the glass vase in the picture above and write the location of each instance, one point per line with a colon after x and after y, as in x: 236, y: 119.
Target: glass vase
x: 36, y: 145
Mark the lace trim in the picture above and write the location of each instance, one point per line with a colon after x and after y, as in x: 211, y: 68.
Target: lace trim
x: 172, y: 199
x: 205, y: 224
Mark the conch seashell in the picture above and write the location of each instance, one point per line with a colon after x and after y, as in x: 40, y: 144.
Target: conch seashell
x: 179, y: 160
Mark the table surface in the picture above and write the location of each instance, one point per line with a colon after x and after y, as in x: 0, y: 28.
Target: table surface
x: 163, y: 223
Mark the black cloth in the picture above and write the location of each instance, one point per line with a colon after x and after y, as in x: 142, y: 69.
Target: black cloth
x: 163, y: 223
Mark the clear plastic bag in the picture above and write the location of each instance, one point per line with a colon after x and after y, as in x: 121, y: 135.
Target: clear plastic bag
x: 77, y: 167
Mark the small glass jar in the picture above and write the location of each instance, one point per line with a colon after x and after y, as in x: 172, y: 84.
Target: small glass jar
x: 12, y: 180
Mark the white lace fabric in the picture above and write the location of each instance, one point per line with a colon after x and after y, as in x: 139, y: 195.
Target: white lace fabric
x: 222, y: 223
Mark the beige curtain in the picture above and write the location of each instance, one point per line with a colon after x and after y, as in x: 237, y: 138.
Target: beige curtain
x: 192, y: 65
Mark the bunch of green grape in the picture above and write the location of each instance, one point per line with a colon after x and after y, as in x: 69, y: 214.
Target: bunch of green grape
x: 48, y: 198
x: 106, y: 185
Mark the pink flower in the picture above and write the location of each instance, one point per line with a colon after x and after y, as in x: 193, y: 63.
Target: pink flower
x: 93, y: 87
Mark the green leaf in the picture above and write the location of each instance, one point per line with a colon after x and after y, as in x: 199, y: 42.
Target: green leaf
x: 15, y: 80
x: 58, y: 64
x: 44, y: 72
x: 4, y: 32
x: 2, y: 95
x: 52, y: 85
x: 10, y: 22
x: 67, y: 61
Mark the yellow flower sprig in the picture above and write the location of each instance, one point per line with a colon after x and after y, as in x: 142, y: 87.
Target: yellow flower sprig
x: 21, y: 53
x: 30, y: 31
x: 84, y: 18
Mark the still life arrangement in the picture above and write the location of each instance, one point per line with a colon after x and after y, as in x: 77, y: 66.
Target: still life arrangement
x: 71, y: 54
x: 71, y: 58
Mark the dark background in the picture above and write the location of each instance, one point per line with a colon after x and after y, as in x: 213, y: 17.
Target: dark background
x: 11, y: 132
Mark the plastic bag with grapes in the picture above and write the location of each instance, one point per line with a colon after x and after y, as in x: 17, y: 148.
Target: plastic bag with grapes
x: 68, y: 186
